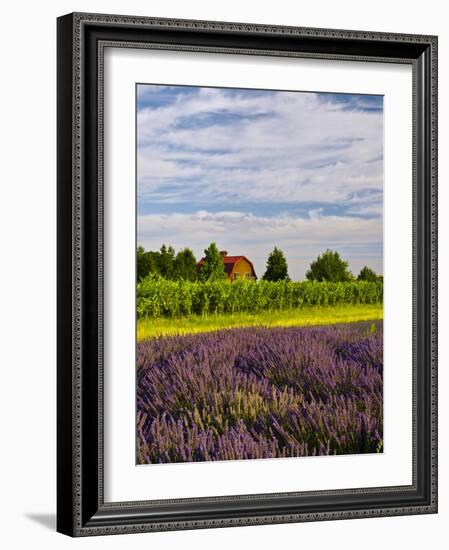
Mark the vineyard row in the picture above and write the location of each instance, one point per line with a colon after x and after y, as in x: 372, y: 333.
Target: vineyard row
x: 163, y: 298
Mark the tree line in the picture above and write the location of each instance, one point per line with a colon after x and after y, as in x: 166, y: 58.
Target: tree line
x: 168, y: 264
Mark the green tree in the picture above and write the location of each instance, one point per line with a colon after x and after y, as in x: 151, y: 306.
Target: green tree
x: 329, y: 267
x: 367, y: 274
x: 277, y: 268
x: 166, y: 262
x: 213, y: 265
x: 141, y: 265
x: 185, y: 265
x: 147, y: 262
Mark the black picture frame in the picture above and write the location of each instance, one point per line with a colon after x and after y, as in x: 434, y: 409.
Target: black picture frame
x: 81, y: 510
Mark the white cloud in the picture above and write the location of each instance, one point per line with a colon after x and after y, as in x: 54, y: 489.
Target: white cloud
x: 219, y: 153
x: 303, y: 149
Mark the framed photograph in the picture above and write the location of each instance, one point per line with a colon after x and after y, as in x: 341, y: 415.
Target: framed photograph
x: 247, y: 274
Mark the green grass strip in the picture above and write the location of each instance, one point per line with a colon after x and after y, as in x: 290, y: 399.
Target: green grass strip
x: 330, y: 315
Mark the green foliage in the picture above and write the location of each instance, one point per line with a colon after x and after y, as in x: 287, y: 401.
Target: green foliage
x: 329, y: 267
x: 367, y: 274
x: 142, y: 265
x: 185, y: 265
x: 213, y: 266
x: 165, y: 264
x: 277, y: 269
x: 158, y: 297
x: 147, y: 263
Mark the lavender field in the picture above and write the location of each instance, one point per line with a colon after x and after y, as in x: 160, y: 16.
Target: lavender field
x: 260, y: 393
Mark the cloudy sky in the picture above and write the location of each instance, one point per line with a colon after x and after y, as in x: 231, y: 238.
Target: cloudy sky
x: 254, y: 169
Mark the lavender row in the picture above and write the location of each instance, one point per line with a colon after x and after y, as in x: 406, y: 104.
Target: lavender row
x: 260, y: 393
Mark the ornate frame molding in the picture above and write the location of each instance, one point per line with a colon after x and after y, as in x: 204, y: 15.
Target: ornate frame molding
x: 81, y: 510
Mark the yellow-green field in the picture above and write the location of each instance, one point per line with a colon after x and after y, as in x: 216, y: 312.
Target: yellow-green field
x: 330, y: 315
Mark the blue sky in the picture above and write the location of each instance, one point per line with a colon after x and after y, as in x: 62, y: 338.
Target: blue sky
x: 254, y: 169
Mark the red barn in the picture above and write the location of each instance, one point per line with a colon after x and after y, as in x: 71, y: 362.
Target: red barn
x: 236, y: 267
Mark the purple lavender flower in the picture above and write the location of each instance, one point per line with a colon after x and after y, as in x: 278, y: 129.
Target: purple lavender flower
x: 260, y: 393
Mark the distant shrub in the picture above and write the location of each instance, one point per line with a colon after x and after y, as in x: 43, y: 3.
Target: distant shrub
x: 329, y: 267
x: 367, y: 274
